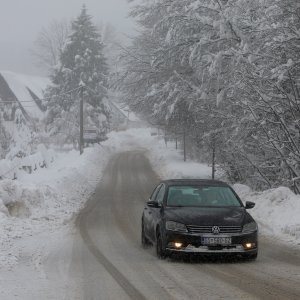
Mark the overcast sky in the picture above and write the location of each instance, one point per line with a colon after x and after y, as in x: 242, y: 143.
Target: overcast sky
x: 22, y: 20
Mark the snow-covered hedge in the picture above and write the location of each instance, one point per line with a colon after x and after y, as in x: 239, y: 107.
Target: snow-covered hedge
x: 10, y: 169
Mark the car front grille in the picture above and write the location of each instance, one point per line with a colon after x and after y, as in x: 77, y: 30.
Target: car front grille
x: 208, y: 229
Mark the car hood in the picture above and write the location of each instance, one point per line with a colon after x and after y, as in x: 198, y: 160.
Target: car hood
x: 226, y: 216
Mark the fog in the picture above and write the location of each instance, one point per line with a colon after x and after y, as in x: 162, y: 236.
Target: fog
x: 21, y: 21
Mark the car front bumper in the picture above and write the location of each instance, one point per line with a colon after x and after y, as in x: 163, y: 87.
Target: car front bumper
x: 192, y: 243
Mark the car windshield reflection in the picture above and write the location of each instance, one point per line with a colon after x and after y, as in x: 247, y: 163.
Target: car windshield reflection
x: 202, y: 196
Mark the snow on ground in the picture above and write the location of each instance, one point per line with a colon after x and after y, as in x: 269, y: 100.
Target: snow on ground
x: 38, y: 210
x: 277, y: 210
x: 47, y: 199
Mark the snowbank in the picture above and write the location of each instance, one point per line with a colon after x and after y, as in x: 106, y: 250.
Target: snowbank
x: 46, y: 200
x: 13, y: 168
x: 277, y: 210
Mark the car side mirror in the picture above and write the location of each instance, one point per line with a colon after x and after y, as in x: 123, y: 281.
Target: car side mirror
x: 154, y: 204
x: 249, y: 204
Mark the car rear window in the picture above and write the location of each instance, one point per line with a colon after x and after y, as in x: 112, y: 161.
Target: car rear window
x: 202, y: 196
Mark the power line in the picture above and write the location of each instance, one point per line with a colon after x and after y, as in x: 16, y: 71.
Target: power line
x: 40, y: 99
x: 15, y: 101
x: 28, y: 103
x: 47, y: 98
x: 59, y: 95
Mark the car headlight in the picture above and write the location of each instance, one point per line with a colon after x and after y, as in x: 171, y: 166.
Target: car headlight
x: 249, y: 227
x: 174, y: 226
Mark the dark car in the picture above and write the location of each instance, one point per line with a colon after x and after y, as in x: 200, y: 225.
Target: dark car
x: 198, y: 216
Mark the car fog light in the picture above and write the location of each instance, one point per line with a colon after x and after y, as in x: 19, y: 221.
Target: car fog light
x: 178, y: 245
x: 249, y: 245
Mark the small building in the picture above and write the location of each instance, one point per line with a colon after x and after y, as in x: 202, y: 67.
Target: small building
x: 24, y: 92
x: 121, y: 116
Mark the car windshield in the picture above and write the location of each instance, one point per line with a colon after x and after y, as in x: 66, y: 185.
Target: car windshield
x: 201, y: 196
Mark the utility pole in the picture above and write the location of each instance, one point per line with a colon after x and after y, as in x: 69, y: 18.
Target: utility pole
x: 213, y: 159
x: 184, y: 145
x: 81, y: 142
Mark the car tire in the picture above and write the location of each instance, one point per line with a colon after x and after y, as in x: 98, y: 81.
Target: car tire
x: 160, y: 250
x: 145, y: 242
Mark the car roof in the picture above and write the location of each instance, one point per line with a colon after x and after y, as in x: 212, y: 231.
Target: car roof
x: 201, y: 182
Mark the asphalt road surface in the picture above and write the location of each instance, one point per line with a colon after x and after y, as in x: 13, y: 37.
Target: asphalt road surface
x: 108, y: 262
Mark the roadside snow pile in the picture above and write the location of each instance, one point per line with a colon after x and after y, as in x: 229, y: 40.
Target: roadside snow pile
x: 23, y: 211
x: 47, y: 199
x: 18, y: 200
x: 278, y: 210
x: 12, y: 168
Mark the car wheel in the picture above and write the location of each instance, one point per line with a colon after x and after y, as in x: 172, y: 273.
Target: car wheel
x: 145, y: 242
x: 160, y: 250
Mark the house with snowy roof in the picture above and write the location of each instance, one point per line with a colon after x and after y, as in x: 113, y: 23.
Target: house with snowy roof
x: 25, y: 92
x: 121, y: 116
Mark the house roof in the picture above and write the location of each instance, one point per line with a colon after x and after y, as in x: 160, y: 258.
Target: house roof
x: 25, y: 90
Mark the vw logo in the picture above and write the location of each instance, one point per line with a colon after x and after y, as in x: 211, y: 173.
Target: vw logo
x: 215, y: 229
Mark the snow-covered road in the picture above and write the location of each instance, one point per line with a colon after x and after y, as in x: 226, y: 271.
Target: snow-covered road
x: 103, y: 258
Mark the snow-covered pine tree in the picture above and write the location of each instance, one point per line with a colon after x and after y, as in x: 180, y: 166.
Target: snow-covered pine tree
x: 82, y: 62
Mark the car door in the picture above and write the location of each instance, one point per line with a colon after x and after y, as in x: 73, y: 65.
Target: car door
x: 148, y: 212
x: 156, y: 211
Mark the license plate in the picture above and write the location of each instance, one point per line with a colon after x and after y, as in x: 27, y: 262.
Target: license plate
x: 211, y: 240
